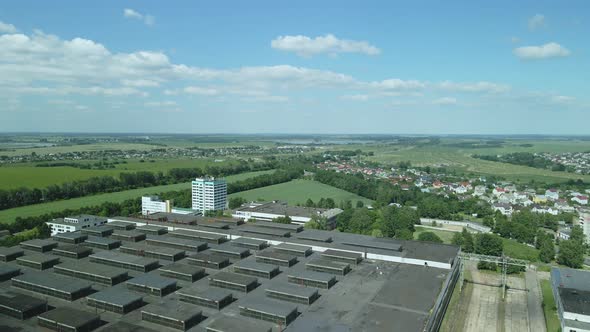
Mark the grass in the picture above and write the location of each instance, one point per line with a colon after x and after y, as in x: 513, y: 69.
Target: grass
x: 446, y: 236
x: 75, y: 203
x: 298, y: 191
x: 549, y: 308
x: 79, y: 148
x: 518, y: 250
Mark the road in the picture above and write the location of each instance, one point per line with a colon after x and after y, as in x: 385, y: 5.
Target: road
x: 534, y: 300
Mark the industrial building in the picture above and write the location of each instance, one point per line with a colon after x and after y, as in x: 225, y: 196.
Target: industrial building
x: 98, y: 231
x: 211, y: 261
x: 8, y: 271
x: 130, y: 236
x: 276, y: 258
x: 65, y: 288
x: 226, y: 323
x: 8, y: 254
x: 216, y: 298
x: 172, y: 242
x: 72, y: 251
x: 230, y: 251
x: 248, y: 243
x: 104, y: 243
x: 177, y: 316
x: 69, y: 319
x: 102, y: 274
x: 70, y: 237
x: 182, y: 272
x: 74, y: 223
x: 269, y: 310
x: 313, y: 279
x: 21, y: 306
x: 153, y: 230
x: 571, y: 291
x: 328, y: 266
x: 256, y: 269
x: 116, y: 300
x: 38, y: 261
x: 118, y: 225
x: 293, y: 293
x: 293, y: 249
x: 233, y: 281
x: 125, y: 261
x: 39, y: 245
x: 199, y: 236
x: 270, y: 210
x: 152, y: 284
x: 141, y: 249
x: 343, y: 256
x: 209, y: 194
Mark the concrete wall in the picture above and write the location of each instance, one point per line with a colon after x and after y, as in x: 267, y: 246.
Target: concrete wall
x: 471, y: 225
x: 442, y: 302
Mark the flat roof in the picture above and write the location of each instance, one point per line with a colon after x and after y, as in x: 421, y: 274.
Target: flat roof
x: 152, y: 228
x: 37, y: 258
x: 39, y: 243
x: 315, y: 236
x: 116, y: 295
x: 265, y: 231
x: 180, y: 311
x: 166, y: 239
x: 152, y: 281
x: 101, y: 228
x: 20, y: 302
x: 234, y: 278
x: 198, y: 234
x: 69, y: 316
x: 70, y: 235
x: 312, y: 275
x: 276, y: 255
x: 6, y: 268
x: 92, y: 268
x: 101, y: 240
x: 226, y: 323
x: 249, y: 241
x: 53, y: 281
x: 121, y: 326
x: 575, y: 300
x: 182, y: 268
x: 342, y: 254
x: 292, y: 289
x: 209, y: 257
x: 278, y: 308
x: 119, y: 223
x: 8, y: 251
x: 571, y: 278
x: 128, y: 233
x: 228, y: 248
x: 293, y: 247
x: 210, y: 294
x: 72, y: 248
x: 125, y: 258
x: 269, y: 224
x: 281, y: 208
x: 152, y: 248
x: 323, y: 262
x: 253, y: 265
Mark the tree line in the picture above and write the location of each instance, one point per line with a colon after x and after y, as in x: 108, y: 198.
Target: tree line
x: 23, y: 196
x: 525, y: 159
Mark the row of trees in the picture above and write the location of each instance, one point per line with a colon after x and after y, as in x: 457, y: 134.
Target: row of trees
x: 26, y: 196
x: 388, y: 221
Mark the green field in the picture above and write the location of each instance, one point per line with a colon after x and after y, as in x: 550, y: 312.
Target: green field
x: 16, y: 176
x: 549, y: 308
x: 75, y: 203
x: 298, y: 191
x: 79, y: 148
x: 446, y: 236
x: 518, y: 250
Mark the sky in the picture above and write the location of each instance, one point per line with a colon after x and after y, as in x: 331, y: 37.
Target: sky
x: 391, y: 67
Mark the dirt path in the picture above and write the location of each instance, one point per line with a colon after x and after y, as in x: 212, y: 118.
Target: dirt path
x: 482, y: 314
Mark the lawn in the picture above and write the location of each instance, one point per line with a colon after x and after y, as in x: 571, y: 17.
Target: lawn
x: 75, y: 203
x: 298, y: 191
x: 518, y: 250
x: 446, y: 236
x: 549, y: 308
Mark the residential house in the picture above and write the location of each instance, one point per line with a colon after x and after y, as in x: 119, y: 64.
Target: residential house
x: 552, y: 194
x: 479, y: 191
x: 505, y: 209
x: 580, y: 199
x: 540, y: 199
x: 498, y: 191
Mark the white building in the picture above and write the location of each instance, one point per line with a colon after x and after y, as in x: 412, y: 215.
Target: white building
x: 552, y: 194
x: 153, y: 204
x: 270, y: 210
x: 505, y: 209
x: 580, y: 199
x: 75, y: 223
x: 209, y: 194
x: 571, y: 291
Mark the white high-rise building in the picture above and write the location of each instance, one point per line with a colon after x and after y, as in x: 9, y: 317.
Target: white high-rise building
x: 209, y: 194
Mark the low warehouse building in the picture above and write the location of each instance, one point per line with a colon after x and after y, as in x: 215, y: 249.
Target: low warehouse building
x: 8, y: 254
x: 21, y: 306
x: 182, y: 272
x: 69, y: 319
x: 233, y: 281
x: 103, y: 243
x: 101, y: 274
x: 8, y: 271
x: 177, y: 316
x: 211, y: 297
x: 227, y: 323
x: 152, y: 284
x: 38, y: 261
x: 272, y: 311
x: 210, y: 261
x: 256, y: 269
x: 125, y: 261
x: 70, y: 237
x: 72, y: 251
x: 116, y: 300
x: 39, y: 245
x: 293, y: 293
x: 61, y: 287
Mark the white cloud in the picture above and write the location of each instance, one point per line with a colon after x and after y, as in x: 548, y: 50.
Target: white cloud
x: 7, y: 28
x: 479, y: 87
x: 536, y: 22
x: 132, y: 14
x: 549, y: 50
x: 397, y: 84
x: 359, y: 97
x: 327, y: 44
x: 562, y: 99
x: 166, y: 103
x: 445, y: 101
x: 140, y: 83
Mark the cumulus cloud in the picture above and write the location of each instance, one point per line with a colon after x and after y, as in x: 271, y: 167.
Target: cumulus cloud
x: 7, y: 28
x: 536, y: 22
x: 166, y: 103
x: 546, y: 51
x: 327, y: 44
x: 445, y: 101
x: 132, y: 14
x: 480, y: 87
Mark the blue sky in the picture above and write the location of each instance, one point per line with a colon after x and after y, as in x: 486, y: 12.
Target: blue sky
x: 423, y: 67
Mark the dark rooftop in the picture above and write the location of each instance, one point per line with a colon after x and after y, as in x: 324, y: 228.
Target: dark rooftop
x: 181, y: 311
x: 182, y: 268
x: 226, y: 323
x: 253, y: 265
x: 118, y: 296
x: 213, y: 293
x: 55, y: 281
x: 272, y: 307
x: 152, y: 281
x: 69, y: 316
x: 92, y: 268
x: 120, y: 257
x: 19, y: 302
x: 233, y: 278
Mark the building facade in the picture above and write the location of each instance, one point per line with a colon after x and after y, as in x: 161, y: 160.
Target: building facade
x: 75, y: 223
x: 153, y: 204
x: 571, y: 291
x: 209, y: 194
x: 268, y: 211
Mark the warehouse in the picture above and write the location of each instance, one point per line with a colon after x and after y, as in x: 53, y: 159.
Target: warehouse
x: 131, y: 236
x: 227, y: 323
x: 37, y: 261
x: 100, y: 231
x: 69, y: 319
x: 230, y: 251
x: 72, y: 251
x: 276, y: 258
x: 122, y: 225
x: 213, y: 224
x: 8, y: 271
x: 202, y: 236
x: 70, y: 237
x: 211, y: 297
x: 272, y: 311
x: 265, y: 231
x: 256, y: 269
x: 152, y: 230
x: 253, y: 244
x: 289, y: 227
x: 39, y: 245
x: 233, y: 281
x: 152, y: 285
x: 327, y: 266
x: 102, y: 274
x: 178, y: 243
x: 343, y: 256
x: 116, y: 300
x: 312, y: 279
x: 125, y: 261
x: 101, y: 243
x: 177, y: 316
x: 139, y: 249
x: 122, y: 326
x: 8, y: 254
x: 21, y: 306
x: 315, y: 235
x: 182, y: 272
x: 292, y: 293
x: 65, y: 288
x: 208, y: 260
x: 293, y: 249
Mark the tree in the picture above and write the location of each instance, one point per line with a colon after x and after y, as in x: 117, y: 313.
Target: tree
x: 282, y: 220
x: 489, y: 244
x: 547, y: 251
x: 429, y: 237
x: 309, y: 203
x: 577, y: 234
x: 457, y: 239
x: 360, y: 204
x: 404, y: 234
x: 236, y: 202
x: 571, y: 253
x: 376, y: 233
x: 361, y: 222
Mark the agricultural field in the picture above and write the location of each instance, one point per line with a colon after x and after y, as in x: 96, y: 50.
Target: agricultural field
x: 75, y: 203
x: 79, y: 148
x: 298, y: 191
